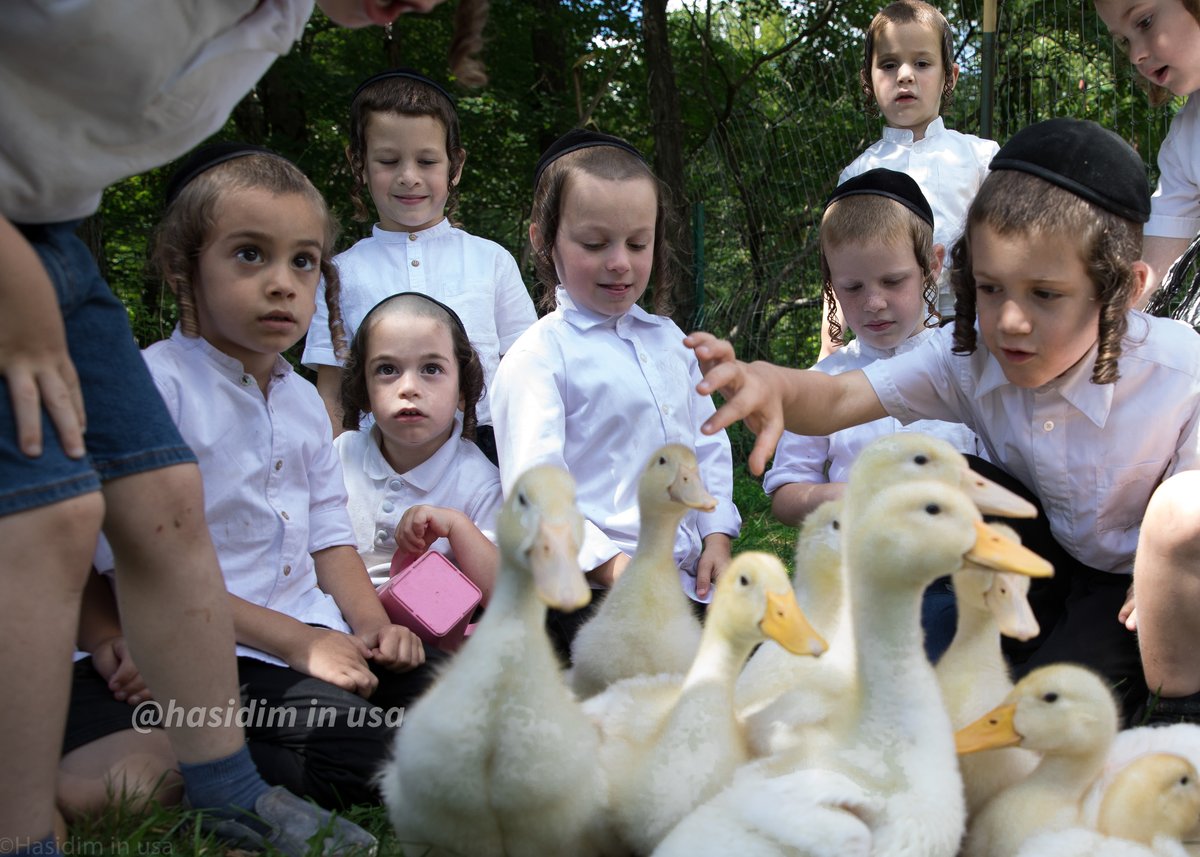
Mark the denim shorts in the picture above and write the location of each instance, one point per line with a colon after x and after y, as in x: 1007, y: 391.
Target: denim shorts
x: 128, y: 428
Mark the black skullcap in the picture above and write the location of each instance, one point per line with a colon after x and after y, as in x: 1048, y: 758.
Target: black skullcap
x: 407, y: 74
x: 453, y: 315
x: 207, y: 157
x: 1088, y: 160
x: 880, y: 182
x: 579, y: 138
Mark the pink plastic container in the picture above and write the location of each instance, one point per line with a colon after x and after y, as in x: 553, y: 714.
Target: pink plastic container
x: 432, y: 598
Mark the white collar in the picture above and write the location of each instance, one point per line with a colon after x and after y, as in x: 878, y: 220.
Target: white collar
x: 425, y: 476
x: 585, y: 319
x: 388, y: 236
x: 905, y: 136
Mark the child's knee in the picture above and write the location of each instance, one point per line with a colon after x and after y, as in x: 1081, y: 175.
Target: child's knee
x: 61, y: 535
x: 1172, y: 520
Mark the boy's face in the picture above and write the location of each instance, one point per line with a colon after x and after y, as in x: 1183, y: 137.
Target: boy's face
x: 407, y: 170
x: 1161, y: 37
x: 907, y: 76
x: 879, y: 287
x: 1036, y: 304
x: 257, y: 276
x: 604, y: 248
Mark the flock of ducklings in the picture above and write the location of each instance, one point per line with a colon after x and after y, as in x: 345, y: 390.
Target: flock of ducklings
x: 663, y: 739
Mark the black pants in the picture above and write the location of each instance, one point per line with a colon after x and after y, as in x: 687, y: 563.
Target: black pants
x: 1076, y: 609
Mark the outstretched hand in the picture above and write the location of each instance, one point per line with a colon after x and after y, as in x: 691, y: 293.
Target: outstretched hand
x: 748, y: 395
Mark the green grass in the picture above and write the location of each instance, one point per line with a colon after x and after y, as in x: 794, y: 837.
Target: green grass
x: 170, y: 831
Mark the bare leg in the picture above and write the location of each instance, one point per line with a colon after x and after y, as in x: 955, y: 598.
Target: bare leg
x: 173, y: 602
x: 126, y: 768
x: 1167, y: 583
x: 47, y: 555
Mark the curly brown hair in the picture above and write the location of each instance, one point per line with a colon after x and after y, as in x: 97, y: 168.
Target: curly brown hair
x: 613, y: 164
x: 467, y: 42
x: 402, y: 96
x: 1016, y: 203
x: 187, y: 225
x: 356, y: 401
x: 870, y: 218
x: 907, y: 12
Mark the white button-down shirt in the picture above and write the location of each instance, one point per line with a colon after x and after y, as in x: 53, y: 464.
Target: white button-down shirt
x: 1092, y: 453
x: 827, y: 458
x: 947, y: 165
x: 105, y: 89
x: 475, y: 277
x: 273, y: 490
x: 598, y: 395
x: 1175, y: 205
x: 457, y: 476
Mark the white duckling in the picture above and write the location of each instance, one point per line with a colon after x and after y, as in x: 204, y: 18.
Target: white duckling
x: 887, y: 781
x: 660, y: 768
x: 791, y: 707
x: 1148, y: 807
x: 1067, y: 714
x: 645, y: 625
x: 973, y: 673
x: 497, y: 758
x: 1179, y: 738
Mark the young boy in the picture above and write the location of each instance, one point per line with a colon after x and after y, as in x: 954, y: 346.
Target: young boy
x: 1048, y: 269
x: 908, y: 75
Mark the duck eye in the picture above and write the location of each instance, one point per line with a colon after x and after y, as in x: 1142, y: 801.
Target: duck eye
x: 1050, y: 697
x: 837, y: 525
x: 933, y: 509
x: 743, y: 580
x: 662, y: 459
x: 1184, y: 780
x: 921, y: 459
x: 521, y: 499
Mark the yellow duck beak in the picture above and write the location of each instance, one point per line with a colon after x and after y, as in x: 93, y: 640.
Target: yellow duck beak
x: 992, y: 550
x: 554, y: 564
x: 993, y: 499
x: 993, y: 731
x: 1010, y: 608
x: 786, y: 624
x: 687, y: 488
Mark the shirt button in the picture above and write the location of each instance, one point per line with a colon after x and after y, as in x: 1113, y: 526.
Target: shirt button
x: 416, y: 263
x: 279, y: 464
x: 412, y: 236
x: 666, y: 409
x: 643, y: 357
x: 284, y: 515
x: 1048, y: 425
x: 381, y: 537
x: 395, y: 484
x: 247, y: 380
x: 387, y: 507
x: 287, y: 569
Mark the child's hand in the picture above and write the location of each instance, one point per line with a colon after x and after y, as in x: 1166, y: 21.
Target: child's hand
x: 395, y: 648
x: 1128, y: 612
x: 33, y: 350
x: 113, y: 664
x: 421, y: 526
x: 749, y: 395
x: 335, y: 657
x: 718, y: 549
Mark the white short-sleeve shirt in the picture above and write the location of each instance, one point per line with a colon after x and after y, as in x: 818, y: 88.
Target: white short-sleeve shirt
x: 105, y: 89
x: 947, y: 165
x: 598, y: 395
x: 457, y: 476
x: 1175, y: 205
x: 1092, y: 453
x: 273, y: 489
x: 827, y: 458
x: 475, y: 277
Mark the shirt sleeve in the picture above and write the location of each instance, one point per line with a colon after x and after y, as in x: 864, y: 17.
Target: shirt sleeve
x: 318, y: 344
x: 529, y: 417
x: 485, y: 506
x: 715, y: 459
x: 919, y: 384
x: 1175, y: 205
x: 328, y: 513
x: 514, y: 307
x: 798, y: 458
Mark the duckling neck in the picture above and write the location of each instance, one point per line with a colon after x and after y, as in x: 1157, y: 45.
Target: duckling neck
x: 1069, y: 773
x: 888, y: 649
x: 514, y: 597
x: 718, y: 661
x: 656, y: 531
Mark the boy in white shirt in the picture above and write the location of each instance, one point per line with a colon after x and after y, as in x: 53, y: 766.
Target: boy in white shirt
x: 1049, y: 264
